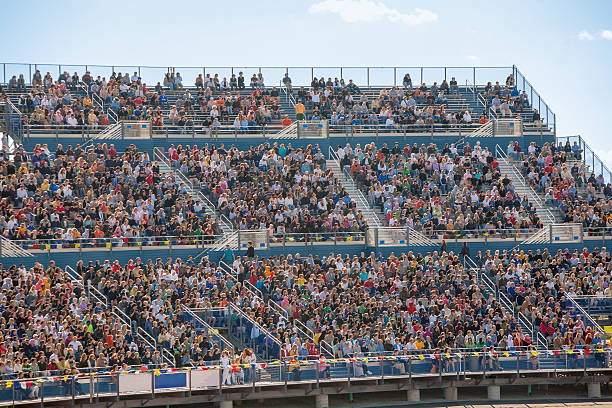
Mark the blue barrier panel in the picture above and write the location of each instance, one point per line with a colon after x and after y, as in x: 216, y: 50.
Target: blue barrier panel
x: 171, y: 380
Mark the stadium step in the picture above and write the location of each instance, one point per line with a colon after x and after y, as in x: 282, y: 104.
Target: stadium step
x: 165, y: 168
x: 10, y: 249
x: 356, y: 195
x: 490, y: 289
x: 522, y: 188
x: 373, y: 217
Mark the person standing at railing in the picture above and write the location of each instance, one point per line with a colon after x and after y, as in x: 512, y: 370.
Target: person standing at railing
x: 287, y: 83
x: 226, y: 368
x: 300, y: 109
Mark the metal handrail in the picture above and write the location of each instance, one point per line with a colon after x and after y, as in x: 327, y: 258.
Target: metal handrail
x: 256, y: 293
x: 360, y: 197
x: 159, y: 154
x: 210, y: 331
x: 499, y: 151
x: 237, y: 309
x: 587, y: 316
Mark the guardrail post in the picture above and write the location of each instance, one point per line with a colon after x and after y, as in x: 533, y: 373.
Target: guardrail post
x: 118, y: 393
x: 285, y: 373
x: 376, y: 237
x: 550, y: 234
x: 91, y: 389
x: 42, y: 394
x: 410, y: 370
x: 73, y: 389
x: 152, y: 384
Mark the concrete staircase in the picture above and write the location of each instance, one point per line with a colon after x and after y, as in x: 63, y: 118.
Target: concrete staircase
x: 373, y: 216
x: 490, y: 288
x: 10, y: 249
x: 357, y: 196
x: 522, y: 187
x: 165, y: 168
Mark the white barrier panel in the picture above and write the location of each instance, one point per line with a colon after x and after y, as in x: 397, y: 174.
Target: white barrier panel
x: 204, y: 379
x: 134, y: 383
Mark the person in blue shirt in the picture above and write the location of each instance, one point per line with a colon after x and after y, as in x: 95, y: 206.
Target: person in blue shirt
x: 228, y: 254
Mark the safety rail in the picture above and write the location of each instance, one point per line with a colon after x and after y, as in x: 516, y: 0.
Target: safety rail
x: 13, y: 120
x: 595, y: 305
x: 265, y: 345
x: 217, y: 243
x: 275, y: 308
x: 81, y: 244
x: 90, y: 290
x: 271, y: 131
x: 480, y: 234
x: 588, y: 157
x: 516, y: 173
x: 592, y: 322
x: 508, y: 305
x: 359, y: 197
x: 160, y: 155
x: 254, y: 291
x: 9, y: 248
x: 307, y: 332
x: 211, y: 332
x: 288, y: 94
x: 148, y: 383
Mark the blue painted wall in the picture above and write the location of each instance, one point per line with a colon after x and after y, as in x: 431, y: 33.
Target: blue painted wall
x: 65, y: 257
x: 243, y: 143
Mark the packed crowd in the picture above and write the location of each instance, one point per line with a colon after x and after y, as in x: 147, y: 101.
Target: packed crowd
x: 49, y: 326
x: 354, y: 306
x: 558, y: 172
x: 69, y: 100
x: 506, y: 100
x: 439, y: 190
x: 95, y: 192
x: 244, y: 102
x: 542, y: 284
x: 370, y: 305
x: 59, y: 102
x: 345, y: 104
x: 271, y: 187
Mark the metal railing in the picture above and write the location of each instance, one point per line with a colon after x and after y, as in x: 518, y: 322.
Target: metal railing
x: 587, y: 317
x: 550, y: 218
x: 508, y: 305
x: 149, y: 383
x: 588, y: 156
x: 265, y: 345
x: 225, y: 223
x: 211, y: 332
x: 81, y: 244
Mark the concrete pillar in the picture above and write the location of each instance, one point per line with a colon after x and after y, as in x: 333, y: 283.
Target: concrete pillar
x: 594, y: 390
x: 450, y: 393
x: 226, y: 404
x: 494, y: 392
x: 322, y: 401
x: 414, y: 395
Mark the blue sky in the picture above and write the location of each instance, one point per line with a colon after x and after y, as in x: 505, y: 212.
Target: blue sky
x: 563, y: 48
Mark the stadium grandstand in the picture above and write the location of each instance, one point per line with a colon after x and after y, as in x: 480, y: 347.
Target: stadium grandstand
x: 210, y: 236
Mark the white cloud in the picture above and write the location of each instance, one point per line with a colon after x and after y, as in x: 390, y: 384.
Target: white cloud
x: 356, y: 11
x: 585, y: 35
x: 472, y: 57
x: 606, y: 34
